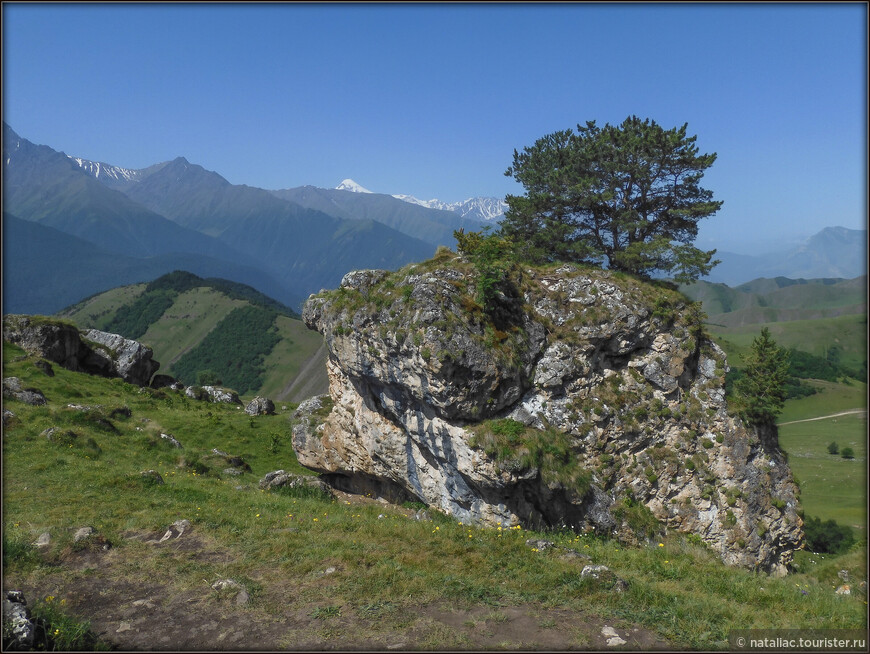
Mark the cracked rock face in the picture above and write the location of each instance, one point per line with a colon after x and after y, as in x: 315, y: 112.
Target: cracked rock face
x: 612, y: 375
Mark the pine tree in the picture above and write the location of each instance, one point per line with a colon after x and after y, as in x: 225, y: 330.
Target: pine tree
x: 761, y: 392
x: 627, y: 196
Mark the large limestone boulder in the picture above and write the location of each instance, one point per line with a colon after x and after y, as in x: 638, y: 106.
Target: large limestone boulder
x: 583, y: 398
x: 128, y: 358
x: 94, y: 352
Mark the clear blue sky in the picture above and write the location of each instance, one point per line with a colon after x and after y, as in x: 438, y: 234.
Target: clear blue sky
x: 431, y: 100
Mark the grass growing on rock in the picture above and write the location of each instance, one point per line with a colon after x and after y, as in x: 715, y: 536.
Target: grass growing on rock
x: 369, y: 571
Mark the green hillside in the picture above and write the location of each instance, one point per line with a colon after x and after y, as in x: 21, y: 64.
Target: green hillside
x: 348, y: 571
x: 254, y: 344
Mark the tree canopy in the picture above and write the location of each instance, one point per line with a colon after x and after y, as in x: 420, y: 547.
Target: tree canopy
x: 628, y: 196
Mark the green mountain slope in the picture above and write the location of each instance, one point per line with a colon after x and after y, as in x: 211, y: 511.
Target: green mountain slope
x: 816, y: 316
x: 251, y: 342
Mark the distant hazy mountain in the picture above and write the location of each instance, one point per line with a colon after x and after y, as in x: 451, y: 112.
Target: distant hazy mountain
x: 779, y: 299
x: 45, y: 269
x: 305, y: 248
x: 835, y: 252
x: 433, y: 226
x: 45, y: 186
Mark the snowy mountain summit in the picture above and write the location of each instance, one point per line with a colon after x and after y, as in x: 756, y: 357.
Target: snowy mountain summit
x: 352, y: 186
x: 486, y: 209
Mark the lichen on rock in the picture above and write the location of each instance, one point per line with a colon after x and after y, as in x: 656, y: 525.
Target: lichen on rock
x: 586, y: 399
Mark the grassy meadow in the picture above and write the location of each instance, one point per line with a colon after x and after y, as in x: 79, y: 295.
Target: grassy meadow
x: 392, y: 577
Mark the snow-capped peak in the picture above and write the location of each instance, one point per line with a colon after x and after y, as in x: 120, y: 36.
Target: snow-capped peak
x: 352, y: 186
x: 487, y: 209
x: 95, y: 169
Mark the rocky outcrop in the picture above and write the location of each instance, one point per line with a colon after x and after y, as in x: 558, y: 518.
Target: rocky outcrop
x: 94, y: 352
x: 130, y: 359
x: 582, y: 398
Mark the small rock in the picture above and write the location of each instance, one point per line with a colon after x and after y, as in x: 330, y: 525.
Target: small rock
x: 329, y: 570
x: 226, y: 584
x: 242, y: 598
x: 423, y: 516
x: 845, y: 589
x: 43, y: 541
x: 12, y: 388
x: 45, y: 367
x: 176, y: 529
x: 264, y: 482
x: 260, y: 406
x: 83, y: 533
x: 594, y: 571
x: 124, y: 626
x: 844, y: 575
x: 18, y: 629
x: 613, y: 638
x: 233, y: 471
x: 8, y: 417
x: 147, y: 603
x: 539, y: 544
x: 171, y: 439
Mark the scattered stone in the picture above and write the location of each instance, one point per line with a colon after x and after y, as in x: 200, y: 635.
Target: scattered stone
x: 125, y: 626
x: 844, y: 575
x: 381, y: 516
x: 266, y: 481
x: 620, y: 586
x: 176, y: 529
x: 45, y: 367
x: 232, y: 587
x: 226, y: 584
x: 235, y: 461
x: 19, y: 630
x: 539, y: 544
x: 43, y: 541
x: 845, y: 589
x: 260, y: 406
x: 613, y: 638
x: 594, y: 571
x: 82, y: 533
x: 12, y: 388
x: 147, y: 603
x: 171, y: 440
x: 153, y: 474
x: 8, y: 417
x: 213, y: 394
x: 423, y: 516
x: 233, y: 471
x: 329, y: 570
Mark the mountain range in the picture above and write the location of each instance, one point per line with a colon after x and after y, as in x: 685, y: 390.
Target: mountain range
x: 74, y: 227
x: 126, y: 225
x: 835, y: 252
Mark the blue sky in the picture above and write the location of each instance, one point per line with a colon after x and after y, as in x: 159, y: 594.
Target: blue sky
x: 431, y: 100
